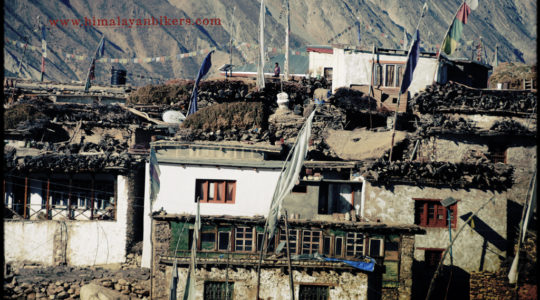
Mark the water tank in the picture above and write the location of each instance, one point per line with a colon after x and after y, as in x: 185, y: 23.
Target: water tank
x: 118, y: 76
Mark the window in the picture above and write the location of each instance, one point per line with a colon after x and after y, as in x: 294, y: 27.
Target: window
x: 328, y: 74
x: 313, y: 292
x: 271, y: 246
x: 215, y: 191
x: 387, y: 75
x: 377, y: 75
x: 376, y: 247
x: 243, y: 239
x: 432, y: 257
x: 293, y: 239
x: 390, y: 72
x: 355, y: 244
x: 338, y: 246
x: 223, y: 241
x: 214, y: 290
x: 431, y: 213
x: 208, y: 241
x: 311, y: 241
x: 327, y: 244
x: 337, y: 197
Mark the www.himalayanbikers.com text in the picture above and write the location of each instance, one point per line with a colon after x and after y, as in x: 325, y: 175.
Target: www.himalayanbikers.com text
x: 135, y: 22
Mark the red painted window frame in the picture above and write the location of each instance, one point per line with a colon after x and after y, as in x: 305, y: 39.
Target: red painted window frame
x: 422, y: 218
x: 205, y: 183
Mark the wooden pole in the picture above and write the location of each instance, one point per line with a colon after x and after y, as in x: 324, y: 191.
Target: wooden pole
x: 263, y: 250
x: 227, y: 268
x: 371, y: 94
x: 394, y: 127
x: 47, y: 205
x: 291, y: 280
x: 92, y: 199
x: 25, y: 195
x: 288, y: 30
x: 69, y: 199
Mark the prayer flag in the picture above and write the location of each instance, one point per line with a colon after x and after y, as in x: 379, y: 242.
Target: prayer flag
x: 456, y: 29
x: 289, y: 175
x: 205, y: 67
x: 414, y: 54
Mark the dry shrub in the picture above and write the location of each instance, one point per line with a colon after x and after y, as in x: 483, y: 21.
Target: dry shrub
x: 20, y: 113
x: 240, y: 115
x: 162, y: 94
x: 513, y: 73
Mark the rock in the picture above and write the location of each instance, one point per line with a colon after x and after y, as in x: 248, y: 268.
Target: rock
x: 62, y: 295
x: 96, y: 292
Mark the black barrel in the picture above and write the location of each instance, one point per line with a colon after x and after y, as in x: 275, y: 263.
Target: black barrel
x: 118, y: 76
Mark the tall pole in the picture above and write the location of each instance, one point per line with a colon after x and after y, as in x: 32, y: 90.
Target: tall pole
x: 424, y: 8
x: 231, y: 44
x: 291, y: 280
x: 371, y: 84
x: 288, y: 31
x: 43, y: 49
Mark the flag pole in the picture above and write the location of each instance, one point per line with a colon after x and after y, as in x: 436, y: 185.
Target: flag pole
x: 87, y: 85
x: 287, y: 29
x: 291, y: 279
x: 438, y: 58
x: 424, y: 9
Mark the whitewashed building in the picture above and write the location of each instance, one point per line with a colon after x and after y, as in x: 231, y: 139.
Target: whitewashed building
x: 78, y: 219
x: 225, y: 177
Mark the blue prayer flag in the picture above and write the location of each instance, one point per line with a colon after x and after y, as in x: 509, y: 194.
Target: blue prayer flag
x: 414, y: 54
x: 205, y: 67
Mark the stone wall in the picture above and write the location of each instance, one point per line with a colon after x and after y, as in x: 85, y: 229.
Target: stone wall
x: 395, y: 204
x: 274, y: 282
x: 406, y: 262
x: 32, y: 281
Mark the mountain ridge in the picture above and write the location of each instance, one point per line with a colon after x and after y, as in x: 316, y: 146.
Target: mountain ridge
x: 508, y: 23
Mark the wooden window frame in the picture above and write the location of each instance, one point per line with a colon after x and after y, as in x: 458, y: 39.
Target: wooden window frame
x: 200, y: 240
x: 205, y: 183
x: 313, y: 246
x: 381, y: 249
x: 355, y: 244
x: 423, y: 219
x: 335, y: 243
x: 243, y: 239
x: 296, y: 241
x: 382, y: 66
x: 229, y: 239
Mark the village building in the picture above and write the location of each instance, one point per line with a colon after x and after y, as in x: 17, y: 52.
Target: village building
x: 235, y: 183
x: 73, y: 181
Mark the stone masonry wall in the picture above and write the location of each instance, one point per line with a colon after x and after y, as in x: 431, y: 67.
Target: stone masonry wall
x: 406, y: 262
x: 274, y: 282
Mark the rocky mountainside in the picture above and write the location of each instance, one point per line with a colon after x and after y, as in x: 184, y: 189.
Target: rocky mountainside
x: 510, y: 24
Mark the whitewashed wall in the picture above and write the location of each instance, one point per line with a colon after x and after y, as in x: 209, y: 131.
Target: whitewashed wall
x: 355, y: 68
x: 319, y: 61
x: 87, y: 242
x: 254, y: 190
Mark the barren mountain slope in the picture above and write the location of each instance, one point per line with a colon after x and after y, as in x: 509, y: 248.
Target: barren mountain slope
x: 509, y: 23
